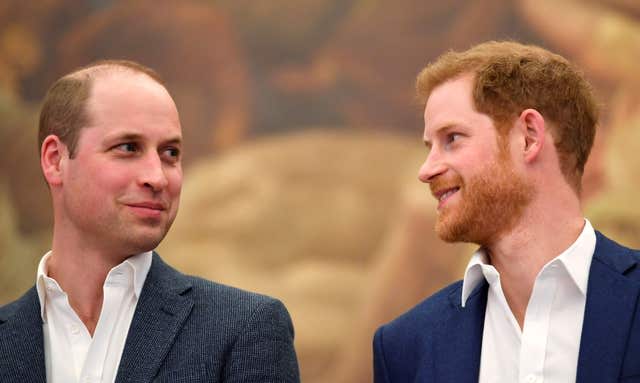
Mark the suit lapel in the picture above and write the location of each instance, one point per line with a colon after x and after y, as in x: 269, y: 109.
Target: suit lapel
x: 22, y: 342
x: 611, y: 303
x: 159, y: 316
x: 459, y: 344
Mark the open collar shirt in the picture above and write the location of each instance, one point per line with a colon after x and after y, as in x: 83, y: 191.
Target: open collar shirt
x: 71, y: 353
x: 546, y: 349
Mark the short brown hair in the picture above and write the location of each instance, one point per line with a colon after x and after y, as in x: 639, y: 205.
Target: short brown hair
x: 510, y: 77
x: 63, y: 111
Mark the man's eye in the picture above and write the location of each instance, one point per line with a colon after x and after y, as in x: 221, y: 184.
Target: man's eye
x: 127, y: 147
x: 172, y: 153
x: 451, y: 137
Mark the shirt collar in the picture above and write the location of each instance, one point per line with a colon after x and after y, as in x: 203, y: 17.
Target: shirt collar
x: 473, y: 275
x: 576, y: 260
x: 40, y: 282
x: 139, y: 264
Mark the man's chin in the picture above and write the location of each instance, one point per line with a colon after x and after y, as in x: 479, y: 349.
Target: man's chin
x: 452, y: 231
x: 448, y: 236
x: 143, y: 241
x: 445, y: 230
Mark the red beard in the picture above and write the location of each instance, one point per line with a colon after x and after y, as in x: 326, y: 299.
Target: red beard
x: 489, y: 204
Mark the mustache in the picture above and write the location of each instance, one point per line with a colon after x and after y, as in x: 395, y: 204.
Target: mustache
x: 441, y: 183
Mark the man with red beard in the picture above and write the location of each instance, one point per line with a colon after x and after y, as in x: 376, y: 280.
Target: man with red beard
x: 546, y: 298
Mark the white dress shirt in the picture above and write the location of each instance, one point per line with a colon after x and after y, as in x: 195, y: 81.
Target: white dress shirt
x: 71, y: 354
x: 546, y: 349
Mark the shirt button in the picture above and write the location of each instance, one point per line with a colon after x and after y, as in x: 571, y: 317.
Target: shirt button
x: 532, y: 379
x: 75, y: 330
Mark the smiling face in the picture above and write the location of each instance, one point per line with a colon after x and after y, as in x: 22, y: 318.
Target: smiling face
x: 120, y: 191
x: 469, y: 168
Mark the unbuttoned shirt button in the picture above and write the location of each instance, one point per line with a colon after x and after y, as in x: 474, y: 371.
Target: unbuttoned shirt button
x: 75, y: 330
x: 532, y: 379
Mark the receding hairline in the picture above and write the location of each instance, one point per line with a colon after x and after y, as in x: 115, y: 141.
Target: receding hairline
x: 105, y: 68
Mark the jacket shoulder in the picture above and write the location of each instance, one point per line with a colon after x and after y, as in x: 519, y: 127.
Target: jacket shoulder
x: 616, y: 257
x: 8, y: 310
x: 216, y: 296
x: 427, y: 314
x: 606, y: 244
x: 405, y: 343
x: 235, y: 309
x: 12, y: 308
x: 208, y: 297
x: 247, y: 336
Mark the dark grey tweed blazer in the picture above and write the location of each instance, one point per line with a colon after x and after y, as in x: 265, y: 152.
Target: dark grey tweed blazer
x: 185, y: 329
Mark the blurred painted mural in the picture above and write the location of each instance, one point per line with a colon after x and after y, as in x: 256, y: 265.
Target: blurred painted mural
x: 303, y: 142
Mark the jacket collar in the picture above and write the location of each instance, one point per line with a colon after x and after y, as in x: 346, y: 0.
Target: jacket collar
x: 459, y: 342
x: 611, y: 303
x: 161, y: 312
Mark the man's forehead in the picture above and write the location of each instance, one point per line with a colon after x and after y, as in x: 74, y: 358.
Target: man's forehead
x: 458, y: 89
x: 448, y: 102
x: 124, y: 89
x: 132, y: 105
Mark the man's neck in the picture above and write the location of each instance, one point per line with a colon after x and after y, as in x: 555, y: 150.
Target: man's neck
x: 81, y: 272
x: 541, y: 235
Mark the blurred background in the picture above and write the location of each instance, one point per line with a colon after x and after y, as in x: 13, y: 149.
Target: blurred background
x: 303, y: 141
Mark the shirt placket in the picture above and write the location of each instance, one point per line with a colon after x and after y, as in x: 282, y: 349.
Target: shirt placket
x: 114, y: 293
x: 66, y: 324
x: 536, y: 327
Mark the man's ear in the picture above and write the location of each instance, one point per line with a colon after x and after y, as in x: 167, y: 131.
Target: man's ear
x: 53, y: 153
x: 533, y: 130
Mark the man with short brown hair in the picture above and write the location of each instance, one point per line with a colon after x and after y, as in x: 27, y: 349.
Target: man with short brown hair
x: 546, y: 298
x: 105, y: 307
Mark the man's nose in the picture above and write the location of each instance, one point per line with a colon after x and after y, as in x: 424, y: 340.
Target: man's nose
x: 432, y: 167
x: 152, y: 173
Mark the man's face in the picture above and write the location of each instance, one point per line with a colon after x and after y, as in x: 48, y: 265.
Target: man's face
x: 120, y: 192
x: 469, y: 168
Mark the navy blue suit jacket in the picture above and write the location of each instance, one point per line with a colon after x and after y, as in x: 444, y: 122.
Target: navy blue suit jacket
x: 184, y: 329
x: 440, y: 341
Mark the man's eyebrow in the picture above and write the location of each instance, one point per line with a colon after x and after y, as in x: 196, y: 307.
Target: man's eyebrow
x: 137, y: 137
x: 444, y: 129
x: 123, y: 137
x: 173, y: 141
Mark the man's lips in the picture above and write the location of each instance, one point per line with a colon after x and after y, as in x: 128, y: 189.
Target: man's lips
x: 147, y: 209
x: 442, y: 195
x: 148, y: 205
